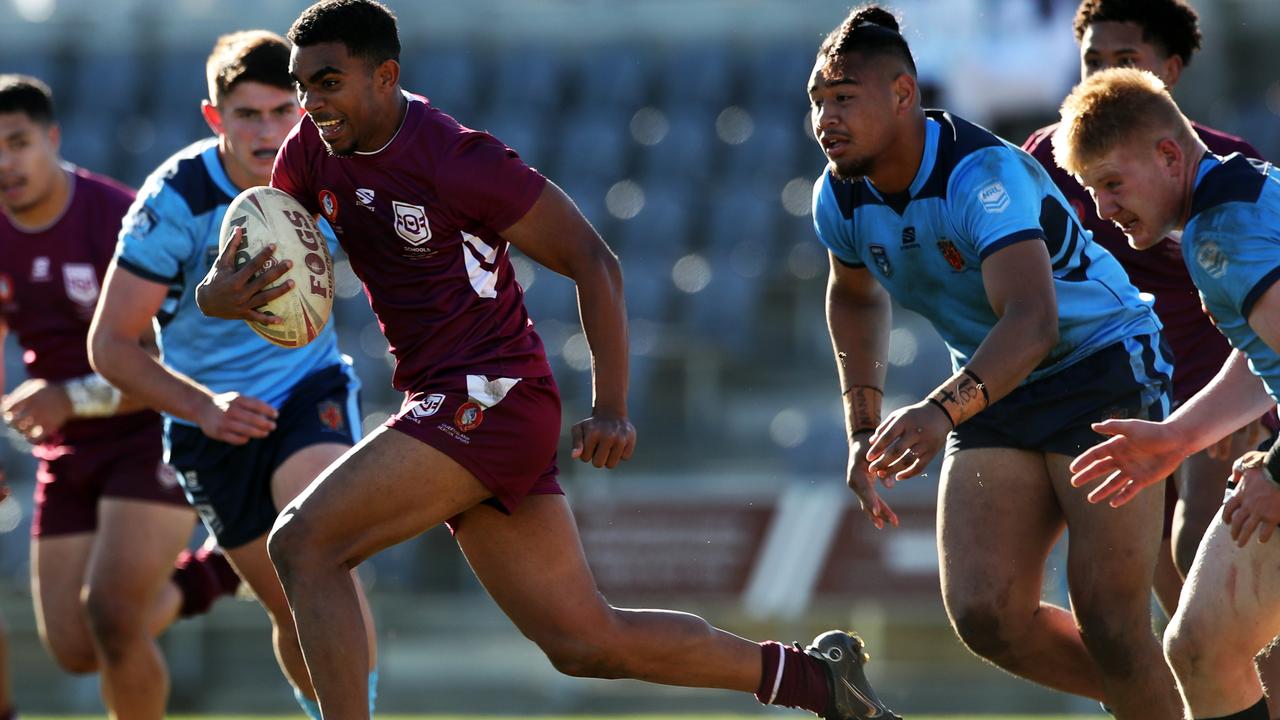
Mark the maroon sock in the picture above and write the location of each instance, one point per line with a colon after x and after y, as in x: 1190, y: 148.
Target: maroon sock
x: 202, y: 577
x: 792, y: 679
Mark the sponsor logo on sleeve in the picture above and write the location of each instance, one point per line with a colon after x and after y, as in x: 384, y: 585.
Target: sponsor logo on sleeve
x: 882, y: 260
x: 993, y: 197
x: 81, y: 283
x: 140, y: 222
x: 1212, y: 259
x: 411, y: 223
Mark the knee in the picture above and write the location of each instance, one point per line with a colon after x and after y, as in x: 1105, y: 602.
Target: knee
x: 114, y: 622
x: 1113, y: 642
x: 586, y: 651
x: 288, y: 546
x: 73, y: 656
x: 982, y: 628
x: 1185, y: 649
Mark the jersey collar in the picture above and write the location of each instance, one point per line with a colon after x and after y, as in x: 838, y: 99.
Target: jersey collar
x: 213, y: 164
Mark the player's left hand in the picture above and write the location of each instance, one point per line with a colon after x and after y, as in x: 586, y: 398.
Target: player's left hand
x: 235, y: 294
x: 1255, y: 502
x: 37, y: 408
x: 604, y: 439
x: 906, y: 441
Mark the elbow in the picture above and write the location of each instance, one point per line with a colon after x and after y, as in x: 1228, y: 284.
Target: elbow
x: 100, y: 354
x: 1045, y: 334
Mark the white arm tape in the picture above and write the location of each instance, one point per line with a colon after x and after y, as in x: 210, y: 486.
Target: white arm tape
x: 92, y: 396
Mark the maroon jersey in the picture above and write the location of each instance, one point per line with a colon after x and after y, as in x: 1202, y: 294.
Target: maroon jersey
x: 49, y: 283
x: 419, y: 220
x: 1199, y: 350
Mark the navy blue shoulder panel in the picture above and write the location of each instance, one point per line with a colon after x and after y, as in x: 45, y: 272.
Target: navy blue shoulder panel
x: 1236, y: 179
x: 957, y: 139
x: 190, y: 178
x: 851, y: 195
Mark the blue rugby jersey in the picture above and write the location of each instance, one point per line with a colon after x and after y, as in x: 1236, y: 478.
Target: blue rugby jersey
x: 170, y: 236
x: 974, y: 195
x: 1231, y: 245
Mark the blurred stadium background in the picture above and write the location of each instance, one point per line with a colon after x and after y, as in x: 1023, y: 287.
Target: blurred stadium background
x: 680, y: 129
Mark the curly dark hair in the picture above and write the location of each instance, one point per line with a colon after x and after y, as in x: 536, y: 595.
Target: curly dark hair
x: 1171, y: 25
x: 27, y: 95
x: 366, y: 27
x: 870, y: 30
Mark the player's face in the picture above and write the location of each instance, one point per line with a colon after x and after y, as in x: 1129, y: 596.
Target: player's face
x: 1107, y: 45
x: 851, y: 112
x: 1134, y: 188
x: 252, y: 122
x: 28, y: 161
x: 338, y: 93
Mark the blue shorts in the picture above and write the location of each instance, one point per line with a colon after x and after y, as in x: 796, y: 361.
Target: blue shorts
x: 230, y: 485
x: 1129, y: 379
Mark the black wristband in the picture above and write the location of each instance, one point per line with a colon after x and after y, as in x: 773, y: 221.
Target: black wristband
x: 861, y: 430
x: 855, y: 387
x: 943, y: 408
x: 986, y: 396
x: 1272, y: 462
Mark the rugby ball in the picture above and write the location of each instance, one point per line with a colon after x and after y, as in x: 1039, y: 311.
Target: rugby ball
x: 269, y: 215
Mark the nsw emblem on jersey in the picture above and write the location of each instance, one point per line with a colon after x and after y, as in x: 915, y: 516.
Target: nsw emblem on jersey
x: 993, y: 197
x: 951, y: 254
x: 329, y: 205
x: 81, y: 283
x: 1212, y: 259
x: 882, y: 260
x: 411, y: 222
x: 330, y: 415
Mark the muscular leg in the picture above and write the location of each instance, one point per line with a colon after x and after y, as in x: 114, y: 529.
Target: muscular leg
x: 254, y: 565
x: 1111, y: 562
x: 532, y: 564
x: 130, y: 598
x: 1230, y: 611
x: 57, y: 577
x: 1002, y: 498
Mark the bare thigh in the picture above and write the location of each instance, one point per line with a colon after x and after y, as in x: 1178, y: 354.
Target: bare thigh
x: 58, y: 566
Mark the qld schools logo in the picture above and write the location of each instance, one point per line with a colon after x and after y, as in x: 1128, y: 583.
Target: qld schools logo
x: 411, y: 222
x: 426, y: 407
x: 993, y: 197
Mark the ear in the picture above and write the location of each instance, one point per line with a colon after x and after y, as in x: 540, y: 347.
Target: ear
x: 905, y: 93
x: 1170, y: 153
x: 1171, y: 70
x: 387, y: 75
x: 55, y: 136
x: 212, y: 117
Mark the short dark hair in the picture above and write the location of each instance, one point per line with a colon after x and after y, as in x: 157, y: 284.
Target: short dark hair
x: 869, y: 30
x: 27, y: 95
x: 1173, y: 25
x: 366, y: 27
x: 247, y: 56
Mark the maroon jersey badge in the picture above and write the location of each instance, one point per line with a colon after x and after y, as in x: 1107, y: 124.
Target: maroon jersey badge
x: 469, y: 416
x: 329, y: 205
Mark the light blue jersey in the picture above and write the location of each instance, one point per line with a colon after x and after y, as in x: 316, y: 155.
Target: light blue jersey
x: 170, y: 236
x: 1231, y: 245
x: 974, y: 195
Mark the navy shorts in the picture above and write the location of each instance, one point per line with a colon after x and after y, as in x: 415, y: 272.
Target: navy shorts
x: 230, y: 485
x: 1129, y: 379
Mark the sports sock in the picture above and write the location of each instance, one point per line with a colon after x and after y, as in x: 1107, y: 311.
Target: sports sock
x: 202, y: 577
x: 1257, y: 711
x: 792, y: 679
x: 312, y: 708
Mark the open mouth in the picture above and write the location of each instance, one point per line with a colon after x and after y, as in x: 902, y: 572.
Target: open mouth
x: 12, y: 186
x: 330, y: 128
x: 834, y: 145
x: 264, y: 154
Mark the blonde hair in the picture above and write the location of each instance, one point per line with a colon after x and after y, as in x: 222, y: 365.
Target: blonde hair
x: 1112, y: 108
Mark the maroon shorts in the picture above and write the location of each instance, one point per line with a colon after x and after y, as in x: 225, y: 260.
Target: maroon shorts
x: 505, y: 436
x: 72, y: 478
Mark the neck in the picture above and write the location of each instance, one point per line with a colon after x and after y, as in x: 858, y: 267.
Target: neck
x: 901, y: 161
x: 47, y: 209
x: 1190, y: 168
x: 390, y: 126
x: 241, y: 178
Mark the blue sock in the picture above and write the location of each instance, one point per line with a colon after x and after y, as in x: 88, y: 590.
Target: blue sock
x: 309, y: 706
x: 312, y: 708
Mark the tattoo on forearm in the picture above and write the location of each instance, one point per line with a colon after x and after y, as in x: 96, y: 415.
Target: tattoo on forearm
x: 865, y: 402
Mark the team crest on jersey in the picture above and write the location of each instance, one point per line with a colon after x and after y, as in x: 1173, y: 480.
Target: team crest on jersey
x: 140, y: 222
x: 951, y: 254
x: 426, y: 407
x: 993, y: 197
x: 882, y: 260
x: 330, y: 415
x: 1212, y: 259
x: 364, y: 198
x: 469, y: 416
x: 411, y: 222
x: 81, y: 283
x: 40, y: 269
x: 329, y: 205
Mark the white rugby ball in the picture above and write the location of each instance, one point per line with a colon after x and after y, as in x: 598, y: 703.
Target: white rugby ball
x: 269, y: 215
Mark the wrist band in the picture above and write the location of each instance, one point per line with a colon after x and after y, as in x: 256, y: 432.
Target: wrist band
x: 868, y: 387
x: 944, y: 410
x: 986, y: 397
x: 962, y: 396
x: 92, y: 396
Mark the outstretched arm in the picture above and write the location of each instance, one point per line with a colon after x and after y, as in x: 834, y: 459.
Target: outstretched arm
x: 554, y: 234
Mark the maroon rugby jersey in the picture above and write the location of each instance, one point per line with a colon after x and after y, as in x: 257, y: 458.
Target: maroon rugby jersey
x: 49, y: 284
x: 419, y: 220
x: 1199, y: 350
